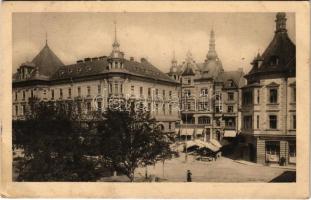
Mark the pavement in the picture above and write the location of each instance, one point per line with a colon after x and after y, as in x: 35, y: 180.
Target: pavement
x: 221, y: 170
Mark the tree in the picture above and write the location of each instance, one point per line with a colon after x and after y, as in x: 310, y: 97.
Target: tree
x: 54, y: 142
x: 132, y: 139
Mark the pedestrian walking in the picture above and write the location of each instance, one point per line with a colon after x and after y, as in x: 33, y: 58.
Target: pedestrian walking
x: 189, y: 174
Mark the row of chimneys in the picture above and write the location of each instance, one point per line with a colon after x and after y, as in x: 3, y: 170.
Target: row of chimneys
x: 103, y: 57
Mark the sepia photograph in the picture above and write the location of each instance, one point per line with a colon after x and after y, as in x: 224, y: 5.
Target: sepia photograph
x: 154, y: 97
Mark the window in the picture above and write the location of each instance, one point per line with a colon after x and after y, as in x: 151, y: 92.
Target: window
x: 218, y: 108
x: 149, y: 92
x: 170, y: 109
x: 116, y: 88
x: 294, y: 121
x: 217, y: 122
x: 170, y: 125
x: 258, y: 96
x: 163, y: 93
x: 204, y: 92
x: 247, y: 97
x: 230, y: 96
x: 188, y: 106
x: 88, y: 106
x: 132, y: 90
x: 189, y: 81
x: 257, y: 121
x: 16, y: 110
x: 110, y: 88
x: 187, y: 93
x: 163, y: 109
x: 15, y: 96
x: 31, y: 93
x: 157, y: 108
x: 149, y: 107
x: 204, y: 120
x: 230, y: 83
x: 99, y: 105
x: 23, y: 109
x: 79, y: 107
x: 60, y: 93
x: 273, y: 121
x: 99, y: 89
x: 121, y: 88
x: 218, y: 96
x: 88, y: 90
x: 273, y: 95
x: 141, y: 90
x: 79, y: 91
x: 230, y: 123
x: 294, y: 94
x: 170, y: 94
x: 247, y: 121
x: 157, y: 92
x: 69, y: 92
x: 230, y: 109
x: 52, y: 93
x: 24, y: 95
x: 273, y: 148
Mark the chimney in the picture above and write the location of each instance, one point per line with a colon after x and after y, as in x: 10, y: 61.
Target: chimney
x: 131, y: 58
x: 79, y: 61
x: 95, y: 58
x: 143, y: 60
x: 87, y: 59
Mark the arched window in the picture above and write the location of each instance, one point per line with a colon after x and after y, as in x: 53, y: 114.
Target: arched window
x: 204, y: 120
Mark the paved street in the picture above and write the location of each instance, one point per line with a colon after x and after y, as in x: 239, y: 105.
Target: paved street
x: 221, y: 170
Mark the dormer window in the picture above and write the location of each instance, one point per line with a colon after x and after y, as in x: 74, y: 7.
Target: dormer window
x: 274, y: 60
x: 230, y: 83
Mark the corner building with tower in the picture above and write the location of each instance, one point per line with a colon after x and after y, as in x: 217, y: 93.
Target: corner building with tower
x: 269, y: 102
x: 94, y: 83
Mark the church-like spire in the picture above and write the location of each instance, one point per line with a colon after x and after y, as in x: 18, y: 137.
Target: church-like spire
x: 212, y: 46
x: 46, y: 38
x: 115, y: 44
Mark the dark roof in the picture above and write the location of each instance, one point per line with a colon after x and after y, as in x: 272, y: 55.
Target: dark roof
x: 279, y: 57
x: 47, y: 61
x: 236, y: 76
x: 100, y: 66
x: 188, y: 71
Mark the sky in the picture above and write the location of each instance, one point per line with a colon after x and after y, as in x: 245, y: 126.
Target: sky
x: 155, y: 36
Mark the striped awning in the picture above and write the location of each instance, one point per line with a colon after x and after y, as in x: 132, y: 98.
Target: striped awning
x: 199, y: 131
x: 230, y: 133
x: 186, y: 131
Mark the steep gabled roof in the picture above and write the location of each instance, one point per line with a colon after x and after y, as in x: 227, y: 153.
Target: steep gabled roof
x: 47, y: 61
x: 279, y: 56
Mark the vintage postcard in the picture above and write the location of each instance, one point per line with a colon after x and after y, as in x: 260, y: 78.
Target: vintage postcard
x: 155, y: 99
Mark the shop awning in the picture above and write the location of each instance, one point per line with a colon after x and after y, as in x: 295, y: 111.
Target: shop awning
x: 216, y: 143
x: 199, y: 131
x: 230, y: 133
x: 208, y: 145
x: 186, y: 131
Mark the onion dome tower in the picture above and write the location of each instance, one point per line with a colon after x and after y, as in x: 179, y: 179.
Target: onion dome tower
x: 116, y: 57
x: 175, y: 70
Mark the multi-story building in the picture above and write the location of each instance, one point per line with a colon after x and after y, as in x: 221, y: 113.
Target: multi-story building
x: 269, y: 101
x: 210, y: 97
x: 95, y: 82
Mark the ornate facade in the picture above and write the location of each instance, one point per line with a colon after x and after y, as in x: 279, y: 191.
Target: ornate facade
x: 269, y: 102
x: 94, y: 82
x: 210, y: 97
